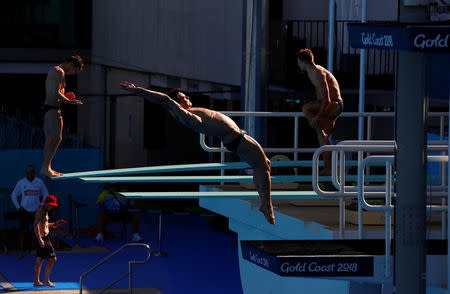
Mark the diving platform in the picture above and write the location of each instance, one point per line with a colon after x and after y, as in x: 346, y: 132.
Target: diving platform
x: 218, y: 179
x: 312, y: 245
x: 221, y: 194
x: 345, y: 263
x: 186, y: 168
x: 275, y: 258
x: 176, y: 168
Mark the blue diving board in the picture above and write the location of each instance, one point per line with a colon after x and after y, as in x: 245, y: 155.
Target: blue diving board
x: 193, y: 179
x: 177, y: 168
x: 223, y: 194
x: 218, y: 179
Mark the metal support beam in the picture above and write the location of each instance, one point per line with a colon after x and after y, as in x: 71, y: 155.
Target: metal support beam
x: 410, y: 210
x: 362, y: 77
x: 255, y: 18
x: 331, y: 22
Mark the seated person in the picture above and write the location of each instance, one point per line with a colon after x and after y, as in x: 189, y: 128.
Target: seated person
x: 113, y: 206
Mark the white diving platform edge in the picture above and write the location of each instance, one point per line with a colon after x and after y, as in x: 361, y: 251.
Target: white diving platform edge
x: 217, y: 179
x: 181, y: 167
x: 222, y: 194
x: 169, y: 168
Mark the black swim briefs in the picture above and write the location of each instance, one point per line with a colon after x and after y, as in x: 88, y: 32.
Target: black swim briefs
x: 340, y: 102
x: 45, y: 108
x: 233, y: 145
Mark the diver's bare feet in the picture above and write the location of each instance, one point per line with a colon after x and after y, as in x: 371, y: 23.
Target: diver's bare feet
x: 268, y: 213
x: 38, y: 284
x: 48, y: 173
x: 49, y: 284
x: 58, y: 174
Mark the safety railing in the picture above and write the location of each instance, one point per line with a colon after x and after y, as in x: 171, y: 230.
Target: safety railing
x: 295, y: 149
x: 349, y: 191
x: 21, y: 134
x: 432, y: 145
x: 387, y: 208
x: 130, y: 263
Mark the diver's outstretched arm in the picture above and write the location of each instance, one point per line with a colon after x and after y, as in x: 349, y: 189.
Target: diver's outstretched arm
x: 185, y: 117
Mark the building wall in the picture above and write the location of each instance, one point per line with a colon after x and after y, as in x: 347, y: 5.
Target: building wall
x: 129, y: 146
x: 382, y: 10
x: 197, y: 39
x: 91, y: 115
x: 95, y: 118
x: 305, y: 10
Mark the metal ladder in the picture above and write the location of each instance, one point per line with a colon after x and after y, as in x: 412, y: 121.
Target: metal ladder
x: 130, y: 263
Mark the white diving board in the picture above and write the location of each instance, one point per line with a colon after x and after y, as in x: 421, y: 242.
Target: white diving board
x: 218, y: 179
x: 222, y: 194
x: 177, y: 168
x: 182, y: 167
x: 191, y: 179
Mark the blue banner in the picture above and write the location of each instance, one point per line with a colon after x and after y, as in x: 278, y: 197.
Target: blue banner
x: 397, y: 37
x: 311, y: 266
x: 429, y: 39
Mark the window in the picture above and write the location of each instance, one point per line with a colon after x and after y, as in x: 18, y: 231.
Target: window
x: 46, y: 24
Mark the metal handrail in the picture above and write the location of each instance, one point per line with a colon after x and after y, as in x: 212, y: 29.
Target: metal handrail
x: 388, y: 207
x: 342, y: 193
x: 389, y: 161
x: 296, y: 115
x: 339, y: 181
x: 431, y: 146
x: 351, y: 191
x: 130, y: 263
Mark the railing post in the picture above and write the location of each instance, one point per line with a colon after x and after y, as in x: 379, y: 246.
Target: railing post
x: 77, y: 224
x: 130, y: 287
x: 341, y: 198
x: 369, y: 127
x: 331, y: 21
x: 387, y: 258
x: 70, y: 214
x: 444, y: 219
x: 222, y: 160
x: 295, y: 136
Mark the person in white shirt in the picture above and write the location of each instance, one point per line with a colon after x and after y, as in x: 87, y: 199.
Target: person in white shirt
x: 31, y: 191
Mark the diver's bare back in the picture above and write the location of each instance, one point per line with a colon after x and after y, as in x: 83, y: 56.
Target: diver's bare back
x: 217, y: 124
x: 54, y: 83
x: 333, y: 87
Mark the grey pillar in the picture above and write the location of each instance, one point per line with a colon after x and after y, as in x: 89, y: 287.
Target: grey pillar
x: 255, y: 40
x: 410, y: 210
x: 410, y: 207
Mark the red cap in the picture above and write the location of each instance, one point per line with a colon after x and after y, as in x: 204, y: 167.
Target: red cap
x: 51, y: 200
